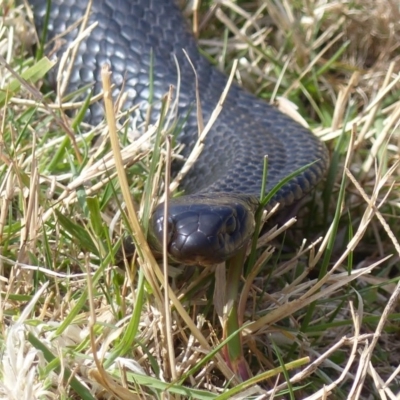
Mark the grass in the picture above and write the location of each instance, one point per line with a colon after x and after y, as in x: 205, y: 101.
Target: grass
x: 320, y: 307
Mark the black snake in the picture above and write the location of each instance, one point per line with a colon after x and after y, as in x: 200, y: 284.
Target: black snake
x: 215, y: 218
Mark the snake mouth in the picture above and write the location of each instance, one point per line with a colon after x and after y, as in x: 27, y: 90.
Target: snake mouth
x: 204, y: 232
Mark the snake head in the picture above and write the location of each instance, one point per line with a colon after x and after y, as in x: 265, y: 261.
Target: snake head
x: 204, y: 229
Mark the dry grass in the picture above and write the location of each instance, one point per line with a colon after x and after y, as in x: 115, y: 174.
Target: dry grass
x: 320, y: 308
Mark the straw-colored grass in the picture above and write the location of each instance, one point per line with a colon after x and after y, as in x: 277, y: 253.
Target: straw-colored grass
x: 320, y: 308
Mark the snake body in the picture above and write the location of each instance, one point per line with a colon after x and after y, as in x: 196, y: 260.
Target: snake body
x: 215, y: 217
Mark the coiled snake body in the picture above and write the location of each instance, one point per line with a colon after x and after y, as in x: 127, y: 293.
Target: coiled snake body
x: 215, y: 218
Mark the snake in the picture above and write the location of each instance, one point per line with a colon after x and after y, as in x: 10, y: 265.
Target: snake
x: 150, y: 49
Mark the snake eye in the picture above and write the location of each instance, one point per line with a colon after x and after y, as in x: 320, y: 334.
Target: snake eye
x: 230, y: 225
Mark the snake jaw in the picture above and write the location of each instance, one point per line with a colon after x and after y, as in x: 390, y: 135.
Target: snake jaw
x: 203, y: 230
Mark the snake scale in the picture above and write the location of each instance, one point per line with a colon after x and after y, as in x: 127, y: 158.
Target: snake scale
x: 215, y: 217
